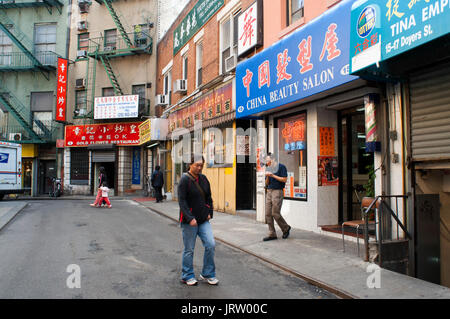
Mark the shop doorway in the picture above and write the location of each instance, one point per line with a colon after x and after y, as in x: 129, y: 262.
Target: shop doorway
x: 47, y: 171
x: 355, y: 164
x: 110, y: 171
x: 27, y: 177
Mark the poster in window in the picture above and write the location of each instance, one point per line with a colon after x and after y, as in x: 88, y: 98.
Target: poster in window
x: 326, y: 138
x: 328, y: 171
x: 292, y: 153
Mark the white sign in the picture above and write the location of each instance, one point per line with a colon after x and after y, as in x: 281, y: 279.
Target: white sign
x: 116, y: 107
x: 248, y: 29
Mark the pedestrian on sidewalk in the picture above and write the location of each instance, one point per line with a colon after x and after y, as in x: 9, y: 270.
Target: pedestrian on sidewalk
x: 105, y: 190
x: 157, y: 180
x: 196, y: 209
x: 276, y: 177
x: 101, y: 178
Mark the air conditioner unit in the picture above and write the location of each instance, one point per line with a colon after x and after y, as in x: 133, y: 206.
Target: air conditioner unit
x: 180, y: 86
x: 109, y: 48
x: 162, y: 99
x: 84, y: 6
x: 80, y: 83
x: 82, y: 26
x: 15, y: 136
x: 81, y: 53
x: 230, y: 63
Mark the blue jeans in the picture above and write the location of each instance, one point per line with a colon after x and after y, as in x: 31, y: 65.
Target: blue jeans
x: 190, y: 233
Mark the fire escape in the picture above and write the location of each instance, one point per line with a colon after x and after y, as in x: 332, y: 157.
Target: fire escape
x: 26, y: 59
x: 101, y: 51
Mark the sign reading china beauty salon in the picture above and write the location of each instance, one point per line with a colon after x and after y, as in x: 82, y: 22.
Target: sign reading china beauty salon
x: 120, y: 134
x: 116, y: 107
x: 312, y: 59
x: 382, y: 29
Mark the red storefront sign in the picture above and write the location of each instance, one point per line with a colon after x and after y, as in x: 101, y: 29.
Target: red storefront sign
x: 217, y: 103
x: 61, y: 90
x: 120, y: 134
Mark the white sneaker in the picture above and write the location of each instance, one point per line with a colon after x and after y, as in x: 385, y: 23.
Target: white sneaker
x: 211, y: 281
x: 190, y: 282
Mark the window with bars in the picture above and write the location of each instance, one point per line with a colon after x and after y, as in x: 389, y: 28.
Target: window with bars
x: 295, y: 10
x: 79, y: 166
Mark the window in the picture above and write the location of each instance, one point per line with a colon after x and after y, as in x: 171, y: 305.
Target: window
x: 168, y: 84
x: 80, y: 103
x: 5, y: 47
x: 295, y: 10
x: 41, y: 108
x: 79, y: 166
x: 139, y: 90
x: 228, y: 39
x: 45, y: 43
x: 83, y: 41
x: 199, y: 64
x: 108, y: 92
x: 110, y: 39
x: 185, y: 66
x: 292, y: 153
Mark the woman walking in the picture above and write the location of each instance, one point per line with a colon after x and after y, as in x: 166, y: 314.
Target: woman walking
x: 101, y: 180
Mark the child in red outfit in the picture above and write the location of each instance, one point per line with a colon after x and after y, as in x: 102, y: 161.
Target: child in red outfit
x: 105, y: 191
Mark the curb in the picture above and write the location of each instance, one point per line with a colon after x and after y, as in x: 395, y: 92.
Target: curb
x: 336, y: 291
x: 10, y: 218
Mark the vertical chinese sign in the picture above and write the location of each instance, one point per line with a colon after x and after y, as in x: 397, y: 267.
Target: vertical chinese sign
x: 250, y: 26
x: 61, y: 90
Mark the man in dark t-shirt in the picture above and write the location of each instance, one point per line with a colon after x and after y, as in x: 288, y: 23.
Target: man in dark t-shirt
x: 276, y: 177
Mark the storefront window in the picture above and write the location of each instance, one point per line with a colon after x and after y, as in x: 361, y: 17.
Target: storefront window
x: 79, y: 166
x: 292, y: 153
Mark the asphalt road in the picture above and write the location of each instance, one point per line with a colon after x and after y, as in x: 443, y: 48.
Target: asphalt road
x: 124, y: 252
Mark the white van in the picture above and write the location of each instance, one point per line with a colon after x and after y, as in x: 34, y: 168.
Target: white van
x: 10, y: 169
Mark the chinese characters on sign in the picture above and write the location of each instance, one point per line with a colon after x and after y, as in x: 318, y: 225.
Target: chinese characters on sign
x: 114, y: 133
x: 250, y: 28
x: 326, y: 136
x: 61, y: 90
x: 194, y: 21
x: 312, y: 59
x: 216, y: 103
x: 115, y: 107
x: 386, y: 28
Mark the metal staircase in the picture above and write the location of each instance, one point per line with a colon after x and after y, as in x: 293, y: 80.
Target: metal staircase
x: 390, y: 247
x: 36, y: 130
x: 112, y: 77
x: 49, y: 4
x: 44, y: 62
x: 118, y: 23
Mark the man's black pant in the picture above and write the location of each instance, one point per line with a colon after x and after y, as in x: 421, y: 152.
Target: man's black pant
x: 158, y: 193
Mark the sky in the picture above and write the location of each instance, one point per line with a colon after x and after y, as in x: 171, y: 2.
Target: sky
x: 169, y: 10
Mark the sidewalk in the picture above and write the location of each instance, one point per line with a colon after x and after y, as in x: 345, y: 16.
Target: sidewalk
x: 318, y: 259
x: 8, y: 210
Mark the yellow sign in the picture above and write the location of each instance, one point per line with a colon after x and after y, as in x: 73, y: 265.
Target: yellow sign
x: 145, y: 132
x: 29, y: 150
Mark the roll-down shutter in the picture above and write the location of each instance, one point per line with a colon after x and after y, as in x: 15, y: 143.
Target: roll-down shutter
x: 103, y: 156
x: 430, y: 114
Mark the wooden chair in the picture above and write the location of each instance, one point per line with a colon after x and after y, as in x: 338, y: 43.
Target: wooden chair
x: 359, y: 224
